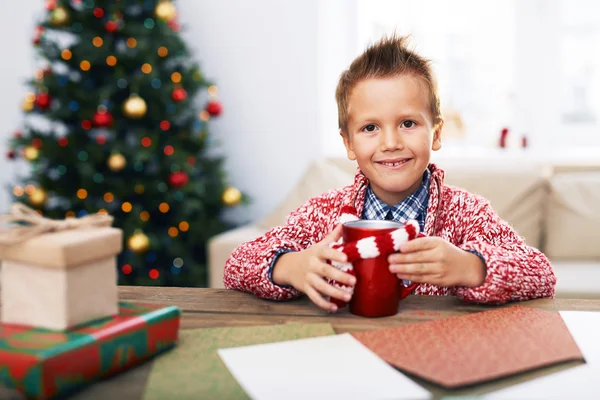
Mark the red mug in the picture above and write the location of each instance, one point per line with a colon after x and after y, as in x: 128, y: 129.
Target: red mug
x: 377, y: 292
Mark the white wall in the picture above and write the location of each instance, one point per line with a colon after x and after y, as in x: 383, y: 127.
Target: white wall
x: 16, y: 32
x: 262, y: 55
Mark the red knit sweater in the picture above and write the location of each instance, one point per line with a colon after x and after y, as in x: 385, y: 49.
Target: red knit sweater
x: 515, y: 271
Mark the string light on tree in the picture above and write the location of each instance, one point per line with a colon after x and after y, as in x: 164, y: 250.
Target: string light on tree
x: 134, y: 107
x: 138, y: 243
x: 116, y: 162
x: 38, y: 197
x: 231, y: 196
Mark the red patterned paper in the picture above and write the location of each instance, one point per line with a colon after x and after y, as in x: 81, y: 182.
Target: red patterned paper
x: 459, y: 351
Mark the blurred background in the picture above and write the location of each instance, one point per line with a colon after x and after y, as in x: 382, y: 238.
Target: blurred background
x: 520, y: 90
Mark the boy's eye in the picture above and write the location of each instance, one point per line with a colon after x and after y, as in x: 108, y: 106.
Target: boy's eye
x: 408, y: 124
x: 369, y: 128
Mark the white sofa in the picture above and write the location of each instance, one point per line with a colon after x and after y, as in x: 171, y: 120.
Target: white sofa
x: 554, y: 206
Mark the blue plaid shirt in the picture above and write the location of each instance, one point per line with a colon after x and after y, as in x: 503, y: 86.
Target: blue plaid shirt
x: 413, y: 207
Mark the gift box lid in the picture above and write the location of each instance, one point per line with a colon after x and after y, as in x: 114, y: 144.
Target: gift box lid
x: 66, y: 249
x: 58, y: 243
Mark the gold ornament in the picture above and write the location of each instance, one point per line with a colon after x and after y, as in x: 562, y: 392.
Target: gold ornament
x: 59, y: 16
x: 38, y: 197
x: 231, y: 196
x: 116, y: 162
x: 134, y: 107
x: 27, y: 105
x: 138, y: 243
x: 166, y: 11
x: 31, y: 153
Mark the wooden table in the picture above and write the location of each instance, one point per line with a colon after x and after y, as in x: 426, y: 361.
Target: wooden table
x: 215, y: 307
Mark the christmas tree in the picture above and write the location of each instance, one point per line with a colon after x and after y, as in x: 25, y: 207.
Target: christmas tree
x: 117, y: 122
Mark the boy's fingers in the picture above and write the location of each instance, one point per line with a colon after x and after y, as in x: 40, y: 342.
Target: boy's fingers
x: 325, y: 288
x: 333, y: 254
x: 339, y: 276
x: 316, y: 298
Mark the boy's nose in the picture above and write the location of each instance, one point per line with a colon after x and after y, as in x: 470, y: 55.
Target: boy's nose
x: 391, y: 140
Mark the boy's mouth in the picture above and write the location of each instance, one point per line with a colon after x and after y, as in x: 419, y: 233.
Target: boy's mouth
x: 394, y: 163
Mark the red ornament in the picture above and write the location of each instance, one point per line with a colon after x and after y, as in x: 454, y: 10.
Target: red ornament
x: 11, y: 154
x: 179, y: 94
x: 63, y: 141
x: 98, y: 12
x: 503, y: 137
x: 524, y: 141
x: 178, y: 179
x: 111, y: 26
x: 18, y: 134
x: 102, y: 118
x: 50, y: 5
x: 42, y: 100
x: 37, y: 40
x: 214, y: 108
x: 174, y: 25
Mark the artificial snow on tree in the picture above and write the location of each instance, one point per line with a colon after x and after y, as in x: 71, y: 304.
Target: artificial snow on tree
x: 116, y: 122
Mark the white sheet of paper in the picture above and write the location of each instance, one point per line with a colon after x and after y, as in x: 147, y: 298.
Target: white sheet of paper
x: 575, y: 383
x: 329, y: 367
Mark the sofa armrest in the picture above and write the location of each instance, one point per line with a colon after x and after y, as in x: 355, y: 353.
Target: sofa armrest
x: 221, y: 246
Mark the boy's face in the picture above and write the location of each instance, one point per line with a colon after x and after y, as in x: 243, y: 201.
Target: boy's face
x: 390, y: 134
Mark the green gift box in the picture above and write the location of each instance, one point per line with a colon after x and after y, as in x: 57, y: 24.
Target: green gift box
x: 44, y: 364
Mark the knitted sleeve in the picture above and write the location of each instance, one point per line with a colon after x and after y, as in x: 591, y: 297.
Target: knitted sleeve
x: 249, y: 267
x: 515, y: 270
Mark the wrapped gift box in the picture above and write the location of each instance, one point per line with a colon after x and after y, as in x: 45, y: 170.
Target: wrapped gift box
x: 44, y: 364
x: 61, y: 275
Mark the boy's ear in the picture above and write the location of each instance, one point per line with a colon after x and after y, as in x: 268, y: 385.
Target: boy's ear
x: 348, y: 144
x: 437, y: 137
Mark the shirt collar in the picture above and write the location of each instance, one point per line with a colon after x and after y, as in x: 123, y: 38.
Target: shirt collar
x: 413, y: 207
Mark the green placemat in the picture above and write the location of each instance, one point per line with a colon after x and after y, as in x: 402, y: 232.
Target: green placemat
x: 193, y: 369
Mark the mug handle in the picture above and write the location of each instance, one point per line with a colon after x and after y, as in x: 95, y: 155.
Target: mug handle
x: 406, y: 290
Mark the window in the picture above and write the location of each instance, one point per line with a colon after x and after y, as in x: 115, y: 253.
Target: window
x: 530, y: 66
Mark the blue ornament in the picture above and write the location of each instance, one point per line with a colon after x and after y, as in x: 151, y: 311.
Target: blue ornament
x: 171, y: 108
x: 175, y: 270
x: 122, y: 83
x: 73, y: 105
x: 82, y: 213
x: 156, y: 83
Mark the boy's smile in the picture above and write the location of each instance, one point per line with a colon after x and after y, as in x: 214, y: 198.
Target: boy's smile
x: 390, y: 134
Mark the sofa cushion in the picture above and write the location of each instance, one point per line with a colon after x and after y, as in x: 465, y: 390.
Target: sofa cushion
x: 321, y: 176
x: 573, y: 215
x: 518, y: 193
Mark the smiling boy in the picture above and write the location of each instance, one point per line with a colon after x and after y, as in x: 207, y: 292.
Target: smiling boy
x: 390, y: 122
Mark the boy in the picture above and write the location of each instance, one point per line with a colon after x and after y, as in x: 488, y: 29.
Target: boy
x: 390, y: 121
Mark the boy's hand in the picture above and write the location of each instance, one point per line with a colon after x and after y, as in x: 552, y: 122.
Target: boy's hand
x: 306, y: 271
x: 438, y: 262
